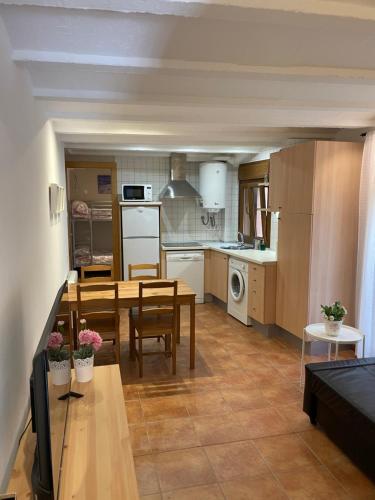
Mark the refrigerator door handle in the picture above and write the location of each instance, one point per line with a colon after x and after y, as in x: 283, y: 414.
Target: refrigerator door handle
x: 140, y: 237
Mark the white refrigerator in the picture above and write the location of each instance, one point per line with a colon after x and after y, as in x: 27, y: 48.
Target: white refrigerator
x: 140, y: 236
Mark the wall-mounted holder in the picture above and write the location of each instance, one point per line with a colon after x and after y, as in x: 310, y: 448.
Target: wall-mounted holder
x: 210, y: 218
x: 56, y: 199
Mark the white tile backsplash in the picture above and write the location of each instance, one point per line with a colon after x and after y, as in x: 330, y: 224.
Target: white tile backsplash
x: 181, y: 219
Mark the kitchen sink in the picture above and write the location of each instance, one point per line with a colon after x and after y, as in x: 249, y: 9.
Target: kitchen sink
x: 237, y: 247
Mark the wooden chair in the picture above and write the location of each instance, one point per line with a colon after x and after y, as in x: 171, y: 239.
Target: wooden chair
x: 93, y: 269
x: 68, y: 330
x: 156, y: 316
x: 99, y: 306
x: 143, y: 267
x: 64, y: 314
x: 143, y: 277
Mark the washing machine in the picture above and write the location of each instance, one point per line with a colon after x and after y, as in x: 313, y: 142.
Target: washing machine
x: 238, y: 290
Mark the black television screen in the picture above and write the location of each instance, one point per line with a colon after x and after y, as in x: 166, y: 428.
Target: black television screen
x: 47, y: 410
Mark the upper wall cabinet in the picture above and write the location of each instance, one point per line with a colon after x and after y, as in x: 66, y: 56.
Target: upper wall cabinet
x: 292, y: 179
x: 278, y: 181
x: 299, y: 170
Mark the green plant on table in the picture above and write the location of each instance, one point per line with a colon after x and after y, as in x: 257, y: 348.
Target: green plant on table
x: 334, y: 312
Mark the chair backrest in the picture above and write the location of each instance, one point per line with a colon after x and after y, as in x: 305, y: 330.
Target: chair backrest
x: 66, y: 318
x: 143, y: 267
x: 97, y: 300
x: 163, y: 296
x: 93, y: 269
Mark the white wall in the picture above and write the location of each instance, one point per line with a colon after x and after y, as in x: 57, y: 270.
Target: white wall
x: 33, y: 248
x: 264, y: 155
x: 181, y: 219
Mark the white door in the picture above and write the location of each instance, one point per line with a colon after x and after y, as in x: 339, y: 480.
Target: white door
x: 139, y: 251
x: 140, y: 221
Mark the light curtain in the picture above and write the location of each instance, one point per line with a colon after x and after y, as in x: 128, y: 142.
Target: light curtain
x: 365, y: 310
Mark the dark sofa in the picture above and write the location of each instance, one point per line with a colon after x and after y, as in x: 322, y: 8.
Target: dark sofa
x: 340, y: 397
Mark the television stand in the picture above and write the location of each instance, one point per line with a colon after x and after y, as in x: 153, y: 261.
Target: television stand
x: 99, y: 418
x: 70, y: 394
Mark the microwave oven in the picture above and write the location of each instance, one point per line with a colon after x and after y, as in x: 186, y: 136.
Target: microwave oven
x: 136, y: 192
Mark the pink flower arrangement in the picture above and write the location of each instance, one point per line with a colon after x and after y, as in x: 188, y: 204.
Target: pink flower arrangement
x: 55, y: 340
x: 90, y: 337
x: 55, y: 347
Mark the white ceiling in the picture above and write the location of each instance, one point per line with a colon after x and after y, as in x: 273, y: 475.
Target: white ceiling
x: 234, y: 76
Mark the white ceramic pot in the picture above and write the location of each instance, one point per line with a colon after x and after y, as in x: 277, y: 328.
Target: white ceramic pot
x: 84, y: 369
x: 60, y: 372
x: 333, y: 327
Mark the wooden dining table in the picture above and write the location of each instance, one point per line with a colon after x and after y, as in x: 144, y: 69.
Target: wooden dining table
x: 129, y: 297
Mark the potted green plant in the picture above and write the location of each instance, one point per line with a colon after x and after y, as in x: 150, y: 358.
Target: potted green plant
x: 58, y: 357
x: 333, y: 315
x: 89, y: 342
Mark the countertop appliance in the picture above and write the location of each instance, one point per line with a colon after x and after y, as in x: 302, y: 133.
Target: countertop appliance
x: 188, y: 266
x: 140, y: 236
x: 238, y: 290
x: 136, y: 192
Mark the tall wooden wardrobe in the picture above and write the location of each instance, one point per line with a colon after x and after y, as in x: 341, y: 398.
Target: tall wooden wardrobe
x: 315, y: 188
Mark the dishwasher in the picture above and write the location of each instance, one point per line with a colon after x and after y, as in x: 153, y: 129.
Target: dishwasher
x: 188, y: 266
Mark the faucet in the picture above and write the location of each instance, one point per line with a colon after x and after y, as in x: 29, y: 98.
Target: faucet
x: 240, y: 238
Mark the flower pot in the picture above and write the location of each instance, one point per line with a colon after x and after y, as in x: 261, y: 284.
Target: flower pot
x: 333, y: 327
x: 84, y: 369
x: 60, y: 372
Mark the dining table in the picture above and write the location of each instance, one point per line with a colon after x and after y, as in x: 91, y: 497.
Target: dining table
x: 129, y: 297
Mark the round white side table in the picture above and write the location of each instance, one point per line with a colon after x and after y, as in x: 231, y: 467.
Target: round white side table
x: 317, y: 332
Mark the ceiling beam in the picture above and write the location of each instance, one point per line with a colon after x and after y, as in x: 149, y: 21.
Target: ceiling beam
x: 219, y: 9
x: 256, y: 116
x: 189, y: 67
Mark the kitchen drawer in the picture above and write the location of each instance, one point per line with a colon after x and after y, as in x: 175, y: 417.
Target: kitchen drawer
x: 256, y: 276
x: 256, y: 304
x: 262, y: 293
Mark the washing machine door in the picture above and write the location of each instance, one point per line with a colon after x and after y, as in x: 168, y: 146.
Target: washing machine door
x: 237, y: 286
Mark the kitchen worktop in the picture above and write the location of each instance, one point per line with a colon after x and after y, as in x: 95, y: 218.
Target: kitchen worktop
x: 257, y: 256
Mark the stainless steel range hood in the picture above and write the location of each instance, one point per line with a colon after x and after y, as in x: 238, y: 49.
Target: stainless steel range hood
x: 177, y: 186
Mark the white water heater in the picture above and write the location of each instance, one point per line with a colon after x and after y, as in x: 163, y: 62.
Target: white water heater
x: 212, y: 184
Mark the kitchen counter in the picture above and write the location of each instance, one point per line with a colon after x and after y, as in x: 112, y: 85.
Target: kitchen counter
x: 257, y: 256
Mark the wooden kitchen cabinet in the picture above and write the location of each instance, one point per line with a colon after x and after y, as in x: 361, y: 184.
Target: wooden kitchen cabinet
x: 277, y: 180
x: 262, y: 293
x: 163, y: 264
x: 299, y: 171
x: 318, y: 228
x: 207, y: 271
x: 291, y: 179
x: 293, y: 264
x: 216, y: 274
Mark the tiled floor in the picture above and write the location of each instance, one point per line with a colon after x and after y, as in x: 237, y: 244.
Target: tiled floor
x: 232, y: 428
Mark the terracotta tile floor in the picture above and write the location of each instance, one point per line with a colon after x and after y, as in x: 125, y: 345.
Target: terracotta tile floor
x: 232, y: 428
